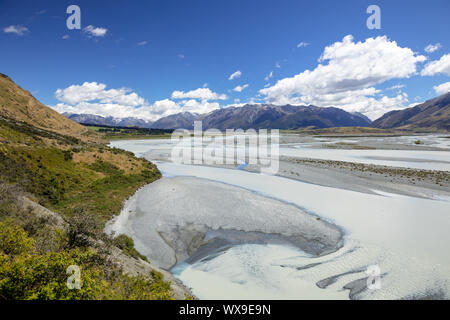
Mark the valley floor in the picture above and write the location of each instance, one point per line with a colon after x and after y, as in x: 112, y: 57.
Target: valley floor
x: 392, y: 217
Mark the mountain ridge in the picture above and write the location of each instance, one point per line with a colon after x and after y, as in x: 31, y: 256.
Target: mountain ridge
x: 255, y: 116
x: 19, y: 104
x: 432, y: 114
x: 93, y: 119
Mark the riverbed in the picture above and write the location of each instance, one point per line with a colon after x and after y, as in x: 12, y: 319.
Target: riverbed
x: 234, y: 234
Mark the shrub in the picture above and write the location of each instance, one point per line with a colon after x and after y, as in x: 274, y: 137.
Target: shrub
x: 68, y: 155
x: 83, y: 227
x: 33, y: 276
x: 104, y: 167
x: 13, y: 239
x: 126, y: 243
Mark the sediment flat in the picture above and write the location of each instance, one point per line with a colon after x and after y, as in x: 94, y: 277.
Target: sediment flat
x: 170, y: 218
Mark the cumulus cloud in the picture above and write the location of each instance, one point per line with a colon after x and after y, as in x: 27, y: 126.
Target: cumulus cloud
x: 442, y: 88
x: 240, y: 88
x: 235, y: 75
x: 302, y: 44
x: 95, y: 98
x: 438, y: 66
x: 95, y: 31
x: 195, y: 106
x: 348, y: 78
x: 18, y: 30
x: 89, y: 91
x: 432, y: 47
x: 200, y: 93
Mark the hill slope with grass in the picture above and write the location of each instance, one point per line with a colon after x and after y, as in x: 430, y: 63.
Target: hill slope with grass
x: 18, y: 104
x: 57, y: 191
x: 433, y: 114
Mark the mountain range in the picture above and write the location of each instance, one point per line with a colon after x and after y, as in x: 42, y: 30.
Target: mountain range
x: 248, y: 116
x: 433, y: 114
x: 93, y: 119
x: 281, y: 117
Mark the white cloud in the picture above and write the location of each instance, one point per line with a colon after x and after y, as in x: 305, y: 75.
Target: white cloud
x: 395, y: 87
x: 442, y: 88
x: 181, y: 56
x: 89, y: 91
x: 277, y: 65
x: 236, y: 104
x: 200, y: 93
x: 94, y: 98
x: 432, y: 47
x: 142, y: 43
x: 18, y: 30
x: 95, y: 31
x: 240, y: 88
x: 235, y: 75
x: 437, y: 66
x: 269, y: 76
x: 162, y: 108
x: 347, y: 80
x: 66, y: 36
x: 302, y: 44
x: 195, y: 106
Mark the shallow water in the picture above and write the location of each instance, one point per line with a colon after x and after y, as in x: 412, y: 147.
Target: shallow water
x: 416, y: 159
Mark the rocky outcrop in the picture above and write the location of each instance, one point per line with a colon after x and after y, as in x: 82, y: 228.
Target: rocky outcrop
x: 129, y: 265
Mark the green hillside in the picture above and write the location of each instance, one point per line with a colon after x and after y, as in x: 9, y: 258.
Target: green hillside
x: 84, y: 184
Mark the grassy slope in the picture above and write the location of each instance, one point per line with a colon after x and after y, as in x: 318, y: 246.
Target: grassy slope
x: 87, y: 183
x: 62, y: 171
x: 17, y: 103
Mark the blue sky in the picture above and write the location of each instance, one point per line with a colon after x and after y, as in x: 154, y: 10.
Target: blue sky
x: 153, y: 58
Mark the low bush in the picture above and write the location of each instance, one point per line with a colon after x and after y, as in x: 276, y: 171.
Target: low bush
x: 125, y: 243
